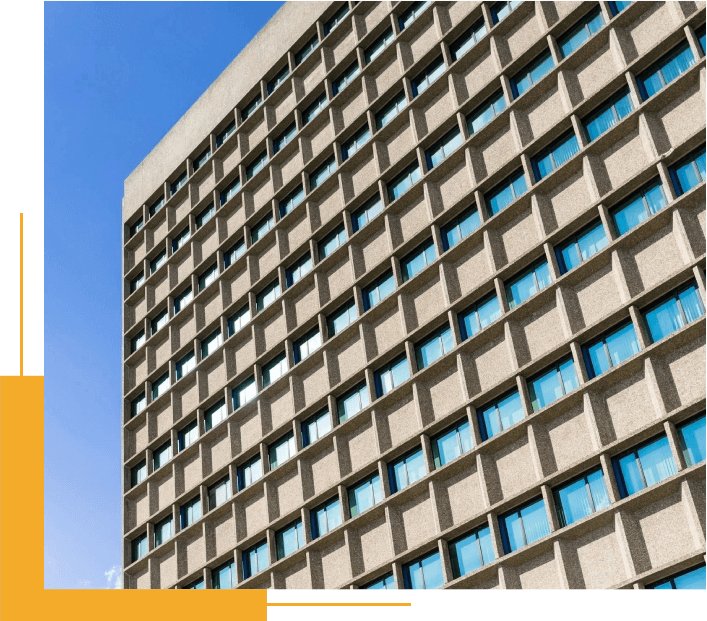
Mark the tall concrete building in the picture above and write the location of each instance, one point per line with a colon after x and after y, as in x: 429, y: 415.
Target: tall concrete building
x: 414, y: 297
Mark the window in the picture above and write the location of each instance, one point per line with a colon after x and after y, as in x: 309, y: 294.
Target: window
x: 639, y: 207
x: 274, y: 369
x: 352, y: 145
x: 700, y: 34
x: 234, y: 252
x: 208, y: 277
x: 282, y: 450
x: 202, y: 159
x: 376, y: 48
x: 289, y: 539
x: 323, y: 172
x: 190, y: 512
x: 491, y: 108
x: 664, y: 71
x: 429, y: 75
x: 223, y: 577
x: 332, y: 241
x: 185, y: 365
x: 238, y: 320
x: 137, y: 282
x: 226, y: 133
x: 617, y: 7
x: 364, y: 214
x: 180, y: 239
x: 162, y: 455
x: 609, y: 114
x: 434, y: 347
x: 244, y: 393
x: 341, y: 318
x: 580, y: 247
x: 215, y: 414
x: 326, y: 518
x: 386, y: 582
x: 451, y: 444
x: 178, y: 183
x: 136, y: 227
x: 158, y: 261
x: 160, y: 386
x: 468, y: 39
x: 299, y: 269
x: 262, y: 227
x: 391, y: 110
x: 460, y: 227
x: 183, y: 299
x: 672, y: 314
x: 425, y: 573
x: 610, y: 350
x: 278, y: 79
x: 345, y: 78
x: 188, y: 435
x: 163, y: 531
x: 471, y: 552
x: 523, y: 526
x: 644, y: 466
x: 266, y: 297
x: 219, y: 493
x: 418, y: 260
x: 365, y: 494
x: 503, y: 195
x: 316, y: 427
x: 157, y: 205
x: 692, y: 440
x: 199, y: 584
x: 411, y: 14
x: 159, y: 321
x: 250, y: 472
x: 352, y: 402
x: 443, y: 148
x: 336, y: 19
x: 392, y: 375
x: 403, y: 182
x: 500, y: 415
x: 137, y: 341
x: 691, y: 579
x: 588, y: 26
x: 528, y: 284
x: 308, y: 48
x: 555, y: 155
x: 531, y: 74
x: 285, y: 137
x: 309, y: 343
x: 479, y: 316
x: 501, y: 10
x: 314, y: 108
x: 379, y: 289
x: 137, y: 405
x: 406, y: 471
x: 255, y: 559
x: 251, y: 107
x: 581, y: 497
x: 258, y: 163
x: 230, y: 190
x: 139, y: 547
x: 689, y: 173
x: 138, y: 473
x: 553, y: 384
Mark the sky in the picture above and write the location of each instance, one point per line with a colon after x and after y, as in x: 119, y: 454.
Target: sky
x: 117, y: 76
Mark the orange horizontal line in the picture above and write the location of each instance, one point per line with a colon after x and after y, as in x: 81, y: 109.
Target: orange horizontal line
x: 341, y: 604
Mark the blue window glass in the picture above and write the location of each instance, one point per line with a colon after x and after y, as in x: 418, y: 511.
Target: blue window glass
x: 618, y: 6
x: 158, y: 261
x: 411, y: 14
x: 345, y: 78
x: 434, y: 347
x: 199, y: 584
x: 692, y: 440
x: 314, y: 108
x: 336, y: 19
x: 299, y: 269
x: 690, y: 579
x: 581, y: 497
x: 308, y: 48
x: 136, y: 227
x: 485, y: 112
x: 555, y: 155
x: 610, y: 350
x: 499, y: 10
x: 553, y: 384
x: 225, y: 133
x: 672, y: 314
x: 354, y: 143
x: 700, y: 33
x: 183, y: 299
x: 137, y: 405
x: 208, y: 277
x: 352, y: 402
x: 422, y: 82
x: 406, y: 470
x: 289, y: 539
x: 468, y: 39
x: 219, y: 493
x: 471, y: 552
x: 326, y: 518
x: 504, y: 194
x: 425, y: 573
x: 278, y: 79
x: 244, y: 393
x: 403, y: 182
x: 178, y: 183
x: 190, y: 512
x: 233, y: 253
x: 255, y: 559
x: 644, y: 466
x: 376, y: 48
x: 285, y: 137
x: 663, y: 72
x: 608, y: 114
x: 256, y: 165
x: 230, y: 190
x: 160, y: 386
x: 239, y: 319
x: 331, y: 242
x: 460, y: 227
x: 418, y: 260
x: 532, y: 74
x: 443, y: 148
x: 282, y: 450
x: 590, y: 24
x: 639, y: 207
x: 205, y: 215
x: 365, y: 494
x: 139, y: 340
x: 362, y: 216
x: 159, y: 321
x: 251, y: 107
x: 386, y: 582
x: 690, y: 172
x: 157, y: 205
x: 275, y: 369
x: 185, y: 365
x: 528, y: 284
x: 200, y: 160
x: 523, y: 526
x: 138, y: 473
x: 479, y: 316
x: 262, y: 227
x: 391, y: 110
x: 187, y: 436
x: 316, y: 427
x: 267, y: 296
x: 306, y: 345
x: 181, y: 239
x: 162, y: 455
x: 392, y: 375
x: 378, y: 290
x: 249, y: 472
x: 451, y: 444
x: 139, y: 547
x: 215, y: 414
x: 500, y: 415
x: 580, y: 247
x: 324, y: 171
x: 341, y: 318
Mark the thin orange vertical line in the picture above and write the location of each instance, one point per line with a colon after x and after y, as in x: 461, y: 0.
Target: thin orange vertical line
x: 21, y: 296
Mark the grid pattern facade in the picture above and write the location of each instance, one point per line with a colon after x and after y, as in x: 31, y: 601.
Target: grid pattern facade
x: 248, y: 410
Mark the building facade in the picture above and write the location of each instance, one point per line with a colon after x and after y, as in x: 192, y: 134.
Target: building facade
x: 414, y: 298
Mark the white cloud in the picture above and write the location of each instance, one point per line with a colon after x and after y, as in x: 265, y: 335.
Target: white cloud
x: 114, y: 577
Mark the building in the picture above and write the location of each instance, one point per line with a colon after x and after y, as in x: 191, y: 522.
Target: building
x: 414, y: 296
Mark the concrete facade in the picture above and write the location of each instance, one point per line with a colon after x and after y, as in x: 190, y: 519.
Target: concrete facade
x: 636, y: 540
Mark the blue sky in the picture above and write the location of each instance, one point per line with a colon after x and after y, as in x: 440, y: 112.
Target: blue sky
x: 118, y: 75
